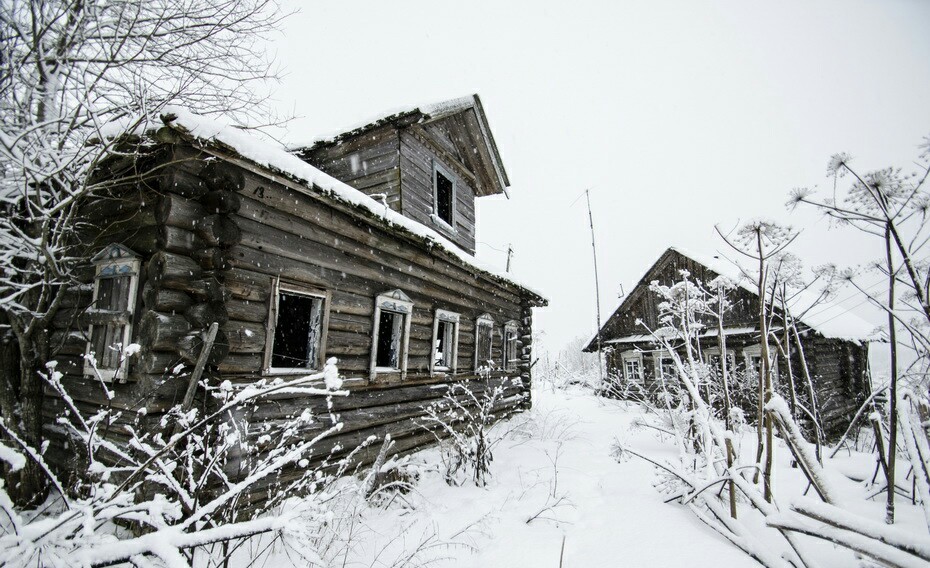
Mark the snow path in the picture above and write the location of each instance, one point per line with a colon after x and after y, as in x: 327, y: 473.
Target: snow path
x: 616, y: 516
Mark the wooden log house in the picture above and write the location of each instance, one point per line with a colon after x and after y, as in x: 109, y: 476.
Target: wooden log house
x: 287, y: 253
x: 835, y: 342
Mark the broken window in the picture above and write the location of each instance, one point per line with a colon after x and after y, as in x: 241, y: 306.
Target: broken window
x: 111, y: 311
x: 510, y: 355
x: 391, y: 333
x: 484, y: 331
x: 445, y: 341
x: 297, y: 327
x: 443, y: 195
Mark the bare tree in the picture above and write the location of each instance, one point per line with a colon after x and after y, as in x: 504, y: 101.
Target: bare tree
x: 72, y: 75
x: 893, y: 208
x: 762, y: 241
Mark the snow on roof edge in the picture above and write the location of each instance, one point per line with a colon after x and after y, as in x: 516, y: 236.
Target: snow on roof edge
x: 850, y: 327
x: 268, y: 155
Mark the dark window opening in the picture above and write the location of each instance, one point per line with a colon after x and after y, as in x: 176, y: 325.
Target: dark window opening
x: 298, y: 331
x: 444, y: 197
x: 483, y: 345
x: 390, y: 336
x: 444, y: 345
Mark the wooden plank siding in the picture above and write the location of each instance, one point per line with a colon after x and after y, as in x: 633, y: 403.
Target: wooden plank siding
x: 222, y: 230
x: 839, y: 368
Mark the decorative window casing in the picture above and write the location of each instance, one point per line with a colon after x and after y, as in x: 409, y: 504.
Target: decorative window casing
x: 444, y: 355
x: 116, y: 284
x: 711, y: 356
x: 665, y: 367
x: 632, y: 366
x: 298, y: 317
x: 509, y: 352
x: 752, y: 357
x: 444, y: 190
x: 391, y: 335
x: 484, y: 340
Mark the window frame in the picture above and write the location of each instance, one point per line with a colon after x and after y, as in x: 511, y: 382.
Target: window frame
x: 112, y: 261
x: 710, y: 352
x: 278, y: 286
x: 658, y: 358
x: 510, y: 363
x: 633, y: 356
x: 439, y: 169
x: 755, y: 351
x: 394, y: 301
x: 484, y: 320
x: 449, y: 318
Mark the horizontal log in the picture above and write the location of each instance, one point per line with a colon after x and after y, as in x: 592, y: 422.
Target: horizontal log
x: 161, y: 332
x: 181, y: 182
x: 218, y: 230
x: 166, y: 268
x: 213, y: 258
x: 221, y: 202
x: 176, y: 240
x: 191, y: 345
x: 165, y: 300
x: 240, y: 363
x: 246, y: 310
x: 204, y: 314
x: 245, y: 337
x: 222, y: 176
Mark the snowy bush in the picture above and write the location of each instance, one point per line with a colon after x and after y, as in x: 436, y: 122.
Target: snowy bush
x: 463, y: 423
x: 179, y: 485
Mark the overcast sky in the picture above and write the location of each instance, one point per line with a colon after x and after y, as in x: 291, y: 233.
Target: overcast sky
x: 677, y: 115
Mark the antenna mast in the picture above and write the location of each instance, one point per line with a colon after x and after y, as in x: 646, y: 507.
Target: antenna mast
x: 597, y: 289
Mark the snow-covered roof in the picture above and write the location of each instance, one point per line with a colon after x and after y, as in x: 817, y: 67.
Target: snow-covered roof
x: 278, y: 160
x: 825, y: 316
x: 419, y: 114
x: 828, y: 318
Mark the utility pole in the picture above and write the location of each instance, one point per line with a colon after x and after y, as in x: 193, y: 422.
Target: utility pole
x: 597, y: 290
x: 509, y: 255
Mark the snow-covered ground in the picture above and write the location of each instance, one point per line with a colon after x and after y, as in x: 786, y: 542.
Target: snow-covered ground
x: 556, y: 483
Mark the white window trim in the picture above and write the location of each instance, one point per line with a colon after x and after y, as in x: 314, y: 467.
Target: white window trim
x: 448, y: 317
x: 632, y: 356
x: 657, y: 361
x: 438, y: 167
x: 709, y: 352
x: 277, y: 286
x: 511, y: 326
x: 122, y: 260
x: 484, y: 320
x: 398, y: 302
x: 756, y: 351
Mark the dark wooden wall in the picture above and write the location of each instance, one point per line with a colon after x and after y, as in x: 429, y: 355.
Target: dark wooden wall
x: 213, y: 236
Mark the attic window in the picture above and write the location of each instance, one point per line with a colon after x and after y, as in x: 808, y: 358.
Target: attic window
x: 443, y: 195
x: 297, y: 327
x: 111, y: 312
x: 391, y: 333
x: 484, y: 331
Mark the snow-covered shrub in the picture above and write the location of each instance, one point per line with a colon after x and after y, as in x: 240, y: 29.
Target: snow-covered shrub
x: 463, y: 423
x: 181, y: 484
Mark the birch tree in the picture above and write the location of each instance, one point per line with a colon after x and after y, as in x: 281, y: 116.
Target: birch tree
x: 70, y: 70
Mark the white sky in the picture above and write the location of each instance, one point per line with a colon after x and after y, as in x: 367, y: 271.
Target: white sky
x: 677, y: 115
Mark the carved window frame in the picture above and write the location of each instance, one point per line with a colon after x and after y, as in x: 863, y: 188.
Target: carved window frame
x: 510, y: 358
x: 277, y: 287
x: 449, y: 318
x: 394, y: 301
x: 484, y: 320
x: 439, y: 169
x: 114, y: 261
x: 632, y: 357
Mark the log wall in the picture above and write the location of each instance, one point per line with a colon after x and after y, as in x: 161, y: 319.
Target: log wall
x: 218, y: 233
